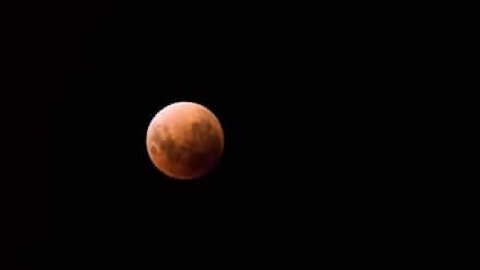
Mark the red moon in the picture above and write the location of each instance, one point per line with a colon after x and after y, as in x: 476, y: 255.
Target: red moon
x: 185, y: 140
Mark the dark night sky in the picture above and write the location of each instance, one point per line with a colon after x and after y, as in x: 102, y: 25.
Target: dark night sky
x: 321, y: 106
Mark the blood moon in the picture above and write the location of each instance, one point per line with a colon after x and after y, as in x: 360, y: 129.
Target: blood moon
x: 184, y: 140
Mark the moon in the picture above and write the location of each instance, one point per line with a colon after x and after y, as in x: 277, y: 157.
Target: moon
x: 185, y: 140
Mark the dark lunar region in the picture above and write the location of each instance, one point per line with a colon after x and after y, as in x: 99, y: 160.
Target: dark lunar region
x: 201, y: 149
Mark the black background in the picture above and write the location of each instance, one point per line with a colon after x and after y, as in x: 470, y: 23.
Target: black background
x: 323, y: 108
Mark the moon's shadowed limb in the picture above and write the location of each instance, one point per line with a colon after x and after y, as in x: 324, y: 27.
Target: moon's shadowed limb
x: 205, y: 146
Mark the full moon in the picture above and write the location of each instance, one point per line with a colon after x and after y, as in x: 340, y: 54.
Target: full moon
x: 184, y: 140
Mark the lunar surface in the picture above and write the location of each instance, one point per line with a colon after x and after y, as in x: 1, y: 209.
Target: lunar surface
x: 185, y: 140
